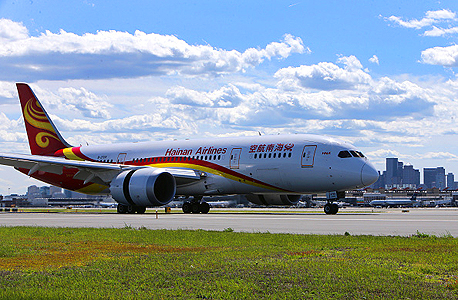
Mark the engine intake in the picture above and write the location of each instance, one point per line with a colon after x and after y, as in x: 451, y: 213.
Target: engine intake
x: 143, y: 187
x: 274, y: 199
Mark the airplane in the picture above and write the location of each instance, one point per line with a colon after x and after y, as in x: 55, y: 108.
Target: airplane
x: 268, y: 169
x: 395, y: 202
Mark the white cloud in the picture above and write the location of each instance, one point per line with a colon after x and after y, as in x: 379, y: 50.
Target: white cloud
x: 75, y: 100
x: 12, y: 31
x: 382, y: 153
x: 440, y: 155
x: 111, y: 54
x: 443, y: 14
x: 7, y: 89
x: 324, y: 76
x: 430, y: 18
x: 444, y: 56
x: 227, y: 96
x: 374, y: 59
x: 436, y: 31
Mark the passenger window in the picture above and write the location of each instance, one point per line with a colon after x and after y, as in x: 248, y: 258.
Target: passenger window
x: 255, y: 156
x: 344, y: 154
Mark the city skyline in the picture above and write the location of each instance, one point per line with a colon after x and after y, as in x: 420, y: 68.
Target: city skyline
x: 400, y: 175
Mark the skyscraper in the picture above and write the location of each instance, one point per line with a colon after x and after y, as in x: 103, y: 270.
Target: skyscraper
x: 410, y: 175
x: 451, y: 181
x: 429, y: 177
x: 391, y: 171
x: 440, y: 178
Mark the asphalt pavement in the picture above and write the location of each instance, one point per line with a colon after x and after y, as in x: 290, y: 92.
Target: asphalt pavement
x: 403, y: 222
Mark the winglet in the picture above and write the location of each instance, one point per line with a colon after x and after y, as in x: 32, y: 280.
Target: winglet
x: 44, y: 138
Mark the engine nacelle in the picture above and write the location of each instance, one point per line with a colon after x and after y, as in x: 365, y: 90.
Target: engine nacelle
x: 143, y: 187
x: 273, y: 199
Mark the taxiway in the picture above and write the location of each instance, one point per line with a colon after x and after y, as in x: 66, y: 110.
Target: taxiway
x: 441, y: 221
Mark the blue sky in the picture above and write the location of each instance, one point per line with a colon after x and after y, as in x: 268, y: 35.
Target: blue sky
x: 380, y: 74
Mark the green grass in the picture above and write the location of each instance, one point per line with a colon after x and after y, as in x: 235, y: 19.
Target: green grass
x: 129, y: 263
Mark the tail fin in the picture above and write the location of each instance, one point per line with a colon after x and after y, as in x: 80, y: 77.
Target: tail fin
x: 44, y: 139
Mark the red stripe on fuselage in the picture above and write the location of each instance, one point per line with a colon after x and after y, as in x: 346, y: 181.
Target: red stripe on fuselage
x: 172, y: 160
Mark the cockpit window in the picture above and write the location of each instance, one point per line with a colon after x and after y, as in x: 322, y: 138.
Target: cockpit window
x: 344, y: 154
x: 357, y: 154
x: 354, y: 153
x: 350, y: 153
x: 360, y: 154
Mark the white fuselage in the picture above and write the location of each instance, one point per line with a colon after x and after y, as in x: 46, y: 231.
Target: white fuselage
x: 283, y: 164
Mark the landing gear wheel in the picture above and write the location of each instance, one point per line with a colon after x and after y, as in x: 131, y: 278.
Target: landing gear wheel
x: 141, y: 209
x: 195, y: 209
x: 121, y: 209
x: 186, y: 207
x: 204, y: 207
x: 195, y: 206
x: 331, y: 208
x: 131, y: 209
x: 335, y: 208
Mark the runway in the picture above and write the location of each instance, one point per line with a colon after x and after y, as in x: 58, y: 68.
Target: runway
x: 437, y: 221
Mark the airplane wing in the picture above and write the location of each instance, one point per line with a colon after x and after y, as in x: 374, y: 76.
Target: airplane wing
x: 88, y: 171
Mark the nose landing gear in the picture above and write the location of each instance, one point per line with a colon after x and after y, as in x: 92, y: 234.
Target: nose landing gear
x: 332, y: 208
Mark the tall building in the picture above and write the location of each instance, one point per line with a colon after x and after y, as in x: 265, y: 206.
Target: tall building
x: 451, y: 181
x: 55, y: 190
x: 434, y: 177
x: 440, y: 178
x: 400, y: 172
x: 410, y: 175
x: 33, y: 192
x: 44, y: 191
x: 398, y: 175
x: 391, y: 171
x: 429, y: 177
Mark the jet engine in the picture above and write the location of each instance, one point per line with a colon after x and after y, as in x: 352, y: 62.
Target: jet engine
x: 143, y: 187
x: 273, y: 199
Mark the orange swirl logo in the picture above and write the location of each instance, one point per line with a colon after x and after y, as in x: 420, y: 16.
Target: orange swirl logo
x: 38, y: 119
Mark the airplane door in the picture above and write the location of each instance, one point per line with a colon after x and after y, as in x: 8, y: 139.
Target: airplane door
x: 308, y: 156
x: 121, y: 158
x: 235, y: 158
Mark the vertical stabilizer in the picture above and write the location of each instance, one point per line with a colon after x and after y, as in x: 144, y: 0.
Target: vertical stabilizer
x: 44, y: 139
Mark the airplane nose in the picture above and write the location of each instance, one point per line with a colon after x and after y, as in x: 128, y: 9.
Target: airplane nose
x: 369, y: 174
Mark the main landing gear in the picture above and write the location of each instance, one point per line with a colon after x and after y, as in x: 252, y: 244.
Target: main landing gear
x: 130, y: 209
x: 195, y: 206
